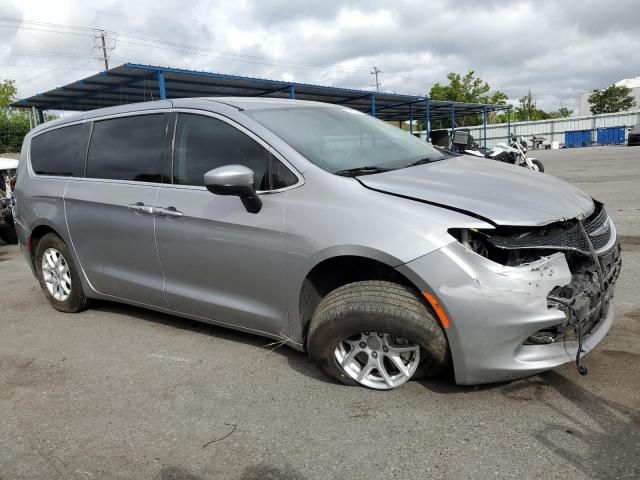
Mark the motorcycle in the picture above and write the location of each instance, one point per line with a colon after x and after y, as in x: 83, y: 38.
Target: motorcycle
x: 514, y: 153
x: 7, y: 182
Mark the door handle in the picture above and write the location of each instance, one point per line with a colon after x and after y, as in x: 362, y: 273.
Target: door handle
x: 167, y: 212
x: 140, y: 207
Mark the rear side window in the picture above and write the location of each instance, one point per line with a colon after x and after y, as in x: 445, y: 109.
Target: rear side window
x: 204, y: 143
x: 60, y: 152
x: 128, y: 148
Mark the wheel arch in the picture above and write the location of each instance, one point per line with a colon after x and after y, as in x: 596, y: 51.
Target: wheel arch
x: 36, y: 235
x: 334, y: 271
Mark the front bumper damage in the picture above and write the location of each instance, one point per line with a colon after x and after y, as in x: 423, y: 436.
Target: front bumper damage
x: 509, y: 322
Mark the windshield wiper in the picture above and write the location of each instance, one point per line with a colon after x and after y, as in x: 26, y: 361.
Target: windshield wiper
x: 422, y: 161
x: 353, y: 172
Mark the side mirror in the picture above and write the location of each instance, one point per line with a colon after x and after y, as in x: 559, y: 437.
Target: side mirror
x: 237, y: 181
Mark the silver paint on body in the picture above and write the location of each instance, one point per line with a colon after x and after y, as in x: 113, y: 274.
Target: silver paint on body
x: 183, y: 250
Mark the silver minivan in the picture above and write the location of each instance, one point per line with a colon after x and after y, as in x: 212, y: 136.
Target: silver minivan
x: 321, y: 227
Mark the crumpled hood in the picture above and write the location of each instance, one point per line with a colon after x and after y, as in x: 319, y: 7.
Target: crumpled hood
x: 500, y: 192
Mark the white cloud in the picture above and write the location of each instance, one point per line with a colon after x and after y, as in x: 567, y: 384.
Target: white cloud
x: 554, y: 49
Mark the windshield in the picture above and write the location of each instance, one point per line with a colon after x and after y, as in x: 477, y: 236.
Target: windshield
x: 339, y: 139
x: 636, y: 129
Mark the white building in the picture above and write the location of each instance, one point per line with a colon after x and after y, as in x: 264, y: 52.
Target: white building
x: 584, y: 108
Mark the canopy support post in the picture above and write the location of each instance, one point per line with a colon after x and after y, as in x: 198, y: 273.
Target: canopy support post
x: 427, y: 120
x: 484, y: 126
x: 411, y: 118
x: 453, y: 121
x: 161, y: 86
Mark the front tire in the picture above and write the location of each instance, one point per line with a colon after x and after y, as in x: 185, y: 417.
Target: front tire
x: 376, y: 334
x: 538, y: 164
x: 58, y: 275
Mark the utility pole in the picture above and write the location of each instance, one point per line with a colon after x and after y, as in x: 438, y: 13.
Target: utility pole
x: 375, y: 72
x: 104, y: 50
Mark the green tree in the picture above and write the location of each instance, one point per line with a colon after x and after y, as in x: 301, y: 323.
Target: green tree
x: 469, y: 89
x: 562, y: 112
x: 8, y: 92
x: 527, y: 109
x: 14, y: 124
x: 614, y: 98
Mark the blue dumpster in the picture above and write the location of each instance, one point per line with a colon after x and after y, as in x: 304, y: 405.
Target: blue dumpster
x: 577, y: 138
x: 610, y: 136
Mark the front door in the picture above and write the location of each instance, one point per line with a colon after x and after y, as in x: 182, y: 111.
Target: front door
x: 221, y: 262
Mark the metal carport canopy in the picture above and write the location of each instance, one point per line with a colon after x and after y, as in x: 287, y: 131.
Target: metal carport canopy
x: 131, y: 83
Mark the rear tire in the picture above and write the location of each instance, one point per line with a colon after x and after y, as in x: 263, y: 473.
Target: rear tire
x: 538, y: 164
x: 381, y: 317
x: 58, y: 275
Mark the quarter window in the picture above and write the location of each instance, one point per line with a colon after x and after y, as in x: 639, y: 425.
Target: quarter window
x: 128, y: 148
x: 204, y: 143
x: 60, y: 151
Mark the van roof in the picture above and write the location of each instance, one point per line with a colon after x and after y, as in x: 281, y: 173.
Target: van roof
x: 204, y: 103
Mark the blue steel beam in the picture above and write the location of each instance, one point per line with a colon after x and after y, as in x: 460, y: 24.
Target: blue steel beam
x: 453, y: 121
x: 484, y: 126
x: 161, y: 86
x: 373, y: 105
x: 351, y: 99
x: 292, y: 92
x: 411, y: 118
x: 347, y: 91
x: 427, y: 119
x: 395, y: 105
x: 266, y: 92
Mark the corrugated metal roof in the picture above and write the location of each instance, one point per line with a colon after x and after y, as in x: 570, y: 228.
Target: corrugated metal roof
x: 132, y: 83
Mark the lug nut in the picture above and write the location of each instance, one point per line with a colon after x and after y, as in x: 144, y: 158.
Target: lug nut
x: 363, y: 345
x: 381, y: 335
x: 374, y: 354
x: 385, y: 349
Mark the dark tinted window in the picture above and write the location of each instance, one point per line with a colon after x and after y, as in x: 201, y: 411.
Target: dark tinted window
x: 204, y: 143
x: 60, y: 152
x: 280, y: 175
x: 128, y: 148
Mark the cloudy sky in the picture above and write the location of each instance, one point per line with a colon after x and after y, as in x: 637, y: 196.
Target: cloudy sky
x: 555, y: 49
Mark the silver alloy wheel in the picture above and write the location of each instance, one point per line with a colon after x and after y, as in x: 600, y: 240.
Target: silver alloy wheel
x: 56, y: 274
x: 378, y: 360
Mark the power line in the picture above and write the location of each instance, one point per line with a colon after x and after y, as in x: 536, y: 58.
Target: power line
x: 39, y: 53
x: 151, y: 42
x: 51, y: 67
x: 273, y: 63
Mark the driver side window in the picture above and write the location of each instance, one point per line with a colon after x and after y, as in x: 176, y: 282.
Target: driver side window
x: 204, y: 143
